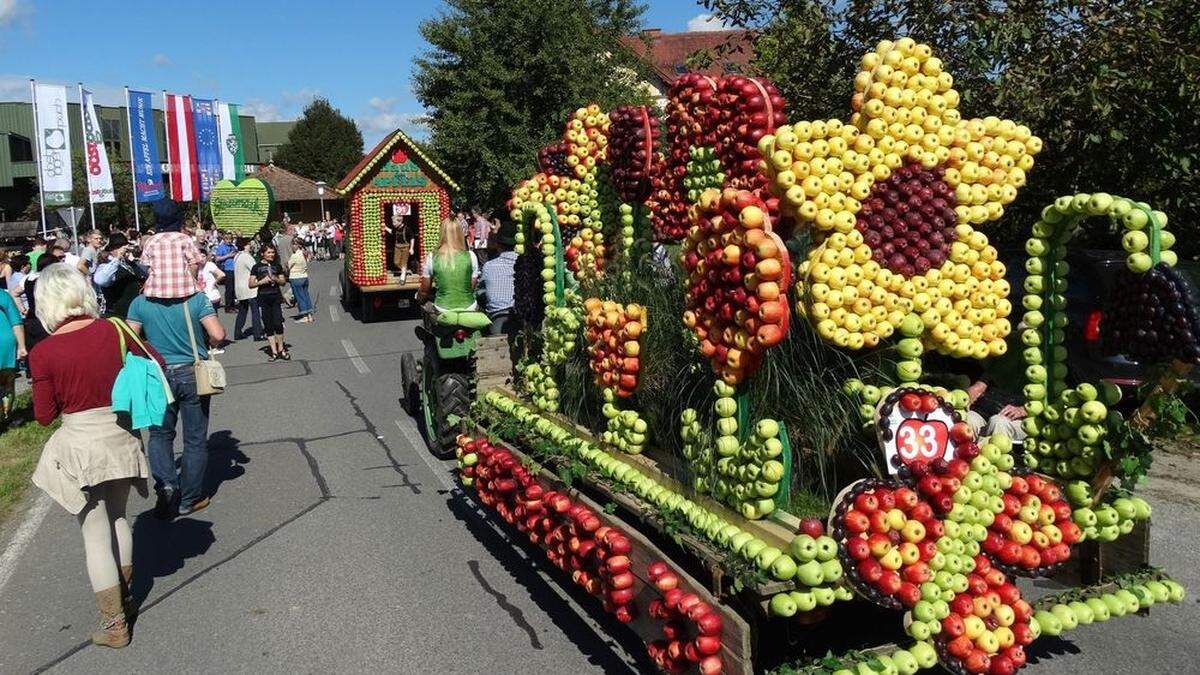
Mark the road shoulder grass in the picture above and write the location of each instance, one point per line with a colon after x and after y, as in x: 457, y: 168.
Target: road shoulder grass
x: 21, y: 441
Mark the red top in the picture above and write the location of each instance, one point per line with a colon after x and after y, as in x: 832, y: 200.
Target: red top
x: 75, y: 371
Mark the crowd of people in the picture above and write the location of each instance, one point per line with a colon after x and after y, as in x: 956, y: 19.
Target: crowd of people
x: 144, y: 308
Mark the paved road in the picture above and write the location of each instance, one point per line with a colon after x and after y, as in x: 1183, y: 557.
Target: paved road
x: 337, y: 543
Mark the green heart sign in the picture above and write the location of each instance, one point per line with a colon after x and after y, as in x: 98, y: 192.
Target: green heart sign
x: 242, y: 208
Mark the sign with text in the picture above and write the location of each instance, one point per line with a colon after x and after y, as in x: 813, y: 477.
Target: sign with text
x: 914, y: 426
x: 243, y: 208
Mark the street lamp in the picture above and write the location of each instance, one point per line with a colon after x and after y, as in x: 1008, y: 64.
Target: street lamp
x: 321, y: 195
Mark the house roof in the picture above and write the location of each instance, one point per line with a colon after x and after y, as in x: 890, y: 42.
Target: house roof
x: 667, y: 53
x: 383, y: 150
x: 290, y: 187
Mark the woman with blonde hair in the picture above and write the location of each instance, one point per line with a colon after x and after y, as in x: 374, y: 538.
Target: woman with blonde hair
x: 452, y: 270
x: 95, y: 457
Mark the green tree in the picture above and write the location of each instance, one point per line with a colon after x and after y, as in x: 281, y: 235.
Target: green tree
x: 1111, y: 86
x: 323, y: 145
x: 503, y: 76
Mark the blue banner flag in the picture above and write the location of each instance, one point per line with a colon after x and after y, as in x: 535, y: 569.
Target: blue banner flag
x: 208, y: 145
x: 147, y: 171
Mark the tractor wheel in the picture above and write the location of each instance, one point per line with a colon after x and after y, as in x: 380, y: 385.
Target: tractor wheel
x: 410, y: 384
x: 451, y: 395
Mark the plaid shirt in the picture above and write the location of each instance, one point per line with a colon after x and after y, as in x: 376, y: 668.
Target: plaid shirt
x: 170, y: 255
x: 497, y: 277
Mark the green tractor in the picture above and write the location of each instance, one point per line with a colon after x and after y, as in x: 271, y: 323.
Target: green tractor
x: 442, y: 384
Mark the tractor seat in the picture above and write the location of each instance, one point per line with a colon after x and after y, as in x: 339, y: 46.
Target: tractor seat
x: 464, y: 318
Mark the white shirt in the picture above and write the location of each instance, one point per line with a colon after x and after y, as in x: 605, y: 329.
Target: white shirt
x: 208, y: 277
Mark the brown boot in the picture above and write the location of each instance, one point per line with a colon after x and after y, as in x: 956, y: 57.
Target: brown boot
x: 131, y: 609
x: 114, y: 632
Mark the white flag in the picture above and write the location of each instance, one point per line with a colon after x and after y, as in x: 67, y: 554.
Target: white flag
x: 95, y: 157
x: 53, y: 143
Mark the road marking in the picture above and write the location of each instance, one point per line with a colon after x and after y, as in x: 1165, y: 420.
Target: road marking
x: 23, y: 537
x: 359, y: 365
x: 334, y: 315
x: 410, y: 432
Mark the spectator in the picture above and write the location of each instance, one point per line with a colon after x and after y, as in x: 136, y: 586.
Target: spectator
x: 94, y: 458
x: 247, y: 295
x: 267, y: 278
x: 39, y: 247
x: 90, y: 253
x: 164, y: 323
x: 283, y: 240
x: 6, y: 270
x: 211, y: 277
x: 224, y: 254
x: 16, y: 281
x: 119, y: 277
x: 481, y: 230
x: 34, y: 331
x: 12, y: 350
x: 497, y: 281
x: 297, y: 274
x: 338, y: 235
x: 171, y: 256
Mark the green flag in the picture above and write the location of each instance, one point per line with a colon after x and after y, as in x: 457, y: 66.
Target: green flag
x: 233, y: 158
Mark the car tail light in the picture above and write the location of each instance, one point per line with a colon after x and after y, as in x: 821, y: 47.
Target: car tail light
x: 460, y: 335
x: 1091, y: 327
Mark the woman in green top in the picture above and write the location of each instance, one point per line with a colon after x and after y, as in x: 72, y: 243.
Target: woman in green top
x: 452, y: 270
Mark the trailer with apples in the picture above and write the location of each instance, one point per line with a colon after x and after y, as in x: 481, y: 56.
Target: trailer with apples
x: 681, y: 383
x: 397, y: 200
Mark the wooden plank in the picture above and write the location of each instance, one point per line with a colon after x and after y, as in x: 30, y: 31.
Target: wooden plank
x: 735, y: 634
x: 1093, y: 561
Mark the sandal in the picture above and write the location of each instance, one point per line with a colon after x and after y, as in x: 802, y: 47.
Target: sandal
x: 272, y: 357
x: 286, y: 356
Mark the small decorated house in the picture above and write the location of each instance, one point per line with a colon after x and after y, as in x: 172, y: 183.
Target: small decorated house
x: 394, y: 193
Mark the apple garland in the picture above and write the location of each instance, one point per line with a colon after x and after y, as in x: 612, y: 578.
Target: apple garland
x: 614, y: 335
x: 691, y: 628
x: 692, y: 117
x: 704, y: 171
x: 749, y: 109
x: 893, y: 196
x: 738, y: 273
x: 367, y: 260
x: 634, y: 158
x: 572, y: 535
x: 560, y: 330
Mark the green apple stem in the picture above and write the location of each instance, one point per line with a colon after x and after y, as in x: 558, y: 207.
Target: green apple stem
x: 560, y: 266
x: 1155, y: 236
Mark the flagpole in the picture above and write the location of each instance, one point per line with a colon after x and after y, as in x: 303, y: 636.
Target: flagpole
x: 37, y: 145
x: 137, y: 220
x: 86, y: 171
x: 167, y: 129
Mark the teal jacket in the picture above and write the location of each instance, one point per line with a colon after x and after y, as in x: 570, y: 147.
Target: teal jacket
x: 140, y: 388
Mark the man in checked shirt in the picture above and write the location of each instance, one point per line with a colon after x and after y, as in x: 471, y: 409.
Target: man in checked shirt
x: 171, y: 255
x: 496, y: 280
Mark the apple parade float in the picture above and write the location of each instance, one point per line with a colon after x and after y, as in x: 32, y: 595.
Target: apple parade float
x: 663, y: 431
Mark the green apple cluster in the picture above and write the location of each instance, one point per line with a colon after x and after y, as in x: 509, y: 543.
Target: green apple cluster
x: 543, y: 227
x: 920, y: 656
x: 1066, y: 432
x: 788, y: 603
x: 560, y: 330
x: 747, y: 473
x: 540, y: 385
x: 703, y: 172
x: 465, y: 459
x: 1128, y: 599
x: 697, y: 450
x: 1108, y: 520
x: 626, y: 428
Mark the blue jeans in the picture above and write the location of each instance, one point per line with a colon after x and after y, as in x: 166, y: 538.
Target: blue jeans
x: 250, y: 306
x: 193, y: 408
x: 303, y: 301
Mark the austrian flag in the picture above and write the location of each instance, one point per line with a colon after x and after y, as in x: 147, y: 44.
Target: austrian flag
x: 181, y: 148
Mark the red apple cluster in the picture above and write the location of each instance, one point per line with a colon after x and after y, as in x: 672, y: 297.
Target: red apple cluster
x: 633, y: 138
x: 749, y: 108
x: 908, y: 220
x: 937, y: 481
x: 573, y: 536
x: 691, y: 120
x: 691, y: 627
x: 890, y: 536
x: 738, y: 275
x: 1035, y: 531
x: 552, y: 159
x: 988, y: 628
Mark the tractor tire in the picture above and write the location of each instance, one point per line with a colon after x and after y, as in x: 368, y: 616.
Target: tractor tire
x: 366, y: 307
x: 453, y: 396
x: 410, y: 385
x: 347, y: 290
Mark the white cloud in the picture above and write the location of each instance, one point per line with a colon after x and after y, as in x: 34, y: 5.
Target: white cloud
x: 12, y: 10
x: 703, y: 22
x: 301, y: 96
x: 161, y: 60
x: 16, y: 88
x: 383, y: 119
x: 260, y: 110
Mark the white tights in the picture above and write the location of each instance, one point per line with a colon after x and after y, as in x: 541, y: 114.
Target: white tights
x: 102, y: 521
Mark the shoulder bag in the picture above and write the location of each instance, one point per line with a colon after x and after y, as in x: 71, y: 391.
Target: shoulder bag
x: 210, y: 374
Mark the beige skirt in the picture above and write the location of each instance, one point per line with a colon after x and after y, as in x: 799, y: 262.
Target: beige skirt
x: 90, y: 447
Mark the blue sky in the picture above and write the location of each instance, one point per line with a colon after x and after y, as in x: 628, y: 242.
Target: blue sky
x: 269, y: 56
